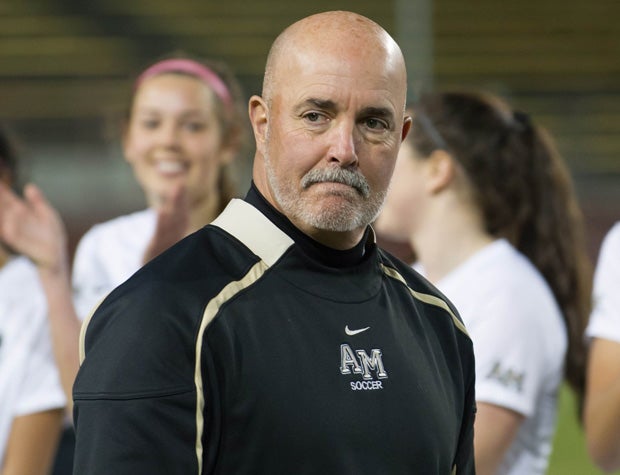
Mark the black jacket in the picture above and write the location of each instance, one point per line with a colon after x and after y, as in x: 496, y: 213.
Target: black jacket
x: 249, y: 349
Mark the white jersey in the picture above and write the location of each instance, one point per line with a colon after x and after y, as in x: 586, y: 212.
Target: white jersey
x: 605, y: 318
x: 107, y: 255
x: 519, y: 343
x: 29, y: 379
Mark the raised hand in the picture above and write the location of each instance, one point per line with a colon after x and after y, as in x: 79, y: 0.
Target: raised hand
x: 172, y: 222
x: 32, y: 227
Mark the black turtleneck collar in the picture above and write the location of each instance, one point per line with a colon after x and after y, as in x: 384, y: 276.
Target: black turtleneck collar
x: 326, y: 255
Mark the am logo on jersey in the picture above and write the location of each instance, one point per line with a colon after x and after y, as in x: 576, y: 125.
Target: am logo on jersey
x: 364, y: 364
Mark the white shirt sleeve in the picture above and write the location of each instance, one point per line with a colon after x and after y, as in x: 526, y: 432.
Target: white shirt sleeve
x: 40, y: 388
x: 107, y: 255
x: 91, y: 282
x: 510, y: 356
x: 605, y: 318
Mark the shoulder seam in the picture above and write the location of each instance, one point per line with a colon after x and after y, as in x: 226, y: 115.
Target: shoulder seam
x: 251, y: 227
x: 211, y: 310
x: 426, y: 298
x: 84, y: 328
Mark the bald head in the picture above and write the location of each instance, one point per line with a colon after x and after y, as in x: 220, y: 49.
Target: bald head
x: 342, y: 34
x: 329, y: 124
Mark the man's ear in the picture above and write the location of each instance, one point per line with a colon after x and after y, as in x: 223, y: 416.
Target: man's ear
x: 406, y: 128
x: 259, y: 118
x: 441, y: 170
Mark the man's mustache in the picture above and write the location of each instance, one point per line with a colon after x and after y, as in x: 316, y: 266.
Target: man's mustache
x: 337, y: 175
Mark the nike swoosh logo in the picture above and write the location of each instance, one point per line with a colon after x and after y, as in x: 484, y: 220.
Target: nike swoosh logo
x: 354, y: 332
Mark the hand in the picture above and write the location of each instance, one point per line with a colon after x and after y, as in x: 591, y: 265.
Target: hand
x: 172, y: 222
x: 32, y: 227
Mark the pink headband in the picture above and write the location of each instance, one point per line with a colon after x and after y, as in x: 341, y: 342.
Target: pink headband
x: 190, y: 67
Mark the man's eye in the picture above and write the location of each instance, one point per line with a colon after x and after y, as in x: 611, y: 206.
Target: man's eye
x: 312, y: 116
x: 376, y: 124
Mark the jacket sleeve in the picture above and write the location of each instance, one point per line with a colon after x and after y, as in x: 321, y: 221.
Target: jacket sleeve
x: 135, y: 398
x: 464, y: 460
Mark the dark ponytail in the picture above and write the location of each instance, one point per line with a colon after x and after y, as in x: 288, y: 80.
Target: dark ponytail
x: 552, y: 237
x: 525, y: 193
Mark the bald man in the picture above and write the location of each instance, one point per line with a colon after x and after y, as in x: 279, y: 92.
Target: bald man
x: 279, y: 339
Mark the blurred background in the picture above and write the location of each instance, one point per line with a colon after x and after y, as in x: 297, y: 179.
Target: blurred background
x: 65, y: 69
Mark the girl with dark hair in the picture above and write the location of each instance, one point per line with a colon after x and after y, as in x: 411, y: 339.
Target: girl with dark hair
x: 488, y: 205
x: 31, y: 396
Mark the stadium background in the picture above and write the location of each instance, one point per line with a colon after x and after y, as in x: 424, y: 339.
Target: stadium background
x: 65, y: 64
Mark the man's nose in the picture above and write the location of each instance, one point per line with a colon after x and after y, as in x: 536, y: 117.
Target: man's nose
x: 344, y: 144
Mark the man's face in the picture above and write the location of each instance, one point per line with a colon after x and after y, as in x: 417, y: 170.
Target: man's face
x: 331, y: 139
